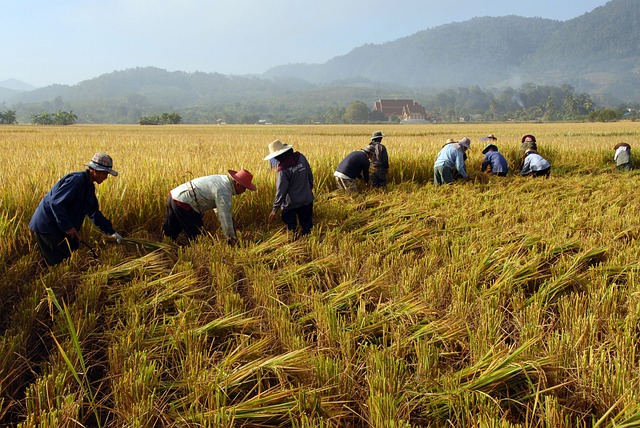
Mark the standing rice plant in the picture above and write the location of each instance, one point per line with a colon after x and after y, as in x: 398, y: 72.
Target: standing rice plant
x: 80, y: 376
x: 387, y: 403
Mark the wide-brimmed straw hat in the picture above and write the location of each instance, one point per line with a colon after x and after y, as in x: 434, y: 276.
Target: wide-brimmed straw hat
x: 450, y: 140
x: 617, y: 146
x: 243, y: 177
x: 489, y: 147
x: 524, y: 138
x: 102, y: 162
x: 276, y: 148
x: 465, y: 142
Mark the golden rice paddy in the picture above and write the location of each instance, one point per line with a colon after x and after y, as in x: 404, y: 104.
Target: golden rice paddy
x: 509, y: 302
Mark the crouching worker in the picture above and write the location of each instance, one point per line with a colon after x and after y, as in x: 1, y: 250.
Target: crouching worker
x: 535, y: 165
x: 494, y: 162
x: 188, y: 202
x: 61, y: 212
x: 450, y: 162
x: 355, y: 165
x: 622, y: 157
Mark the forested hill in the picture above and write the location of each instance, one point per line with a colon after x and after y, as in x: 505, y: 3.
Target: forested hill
x: 596, y: 52
x: 482, y: 51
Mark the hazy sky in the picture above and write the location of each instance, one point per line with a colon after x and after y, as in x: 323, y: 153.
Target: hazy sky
x: 68, y: 41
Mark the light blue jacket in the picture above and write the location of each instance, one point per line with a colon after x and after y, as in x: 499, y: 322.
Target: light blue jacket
x: 534, y: 162
x: 452, y: 156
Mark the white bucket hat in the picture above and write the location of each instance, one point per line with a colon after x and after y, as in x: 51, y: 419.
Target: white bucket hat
x: 276, y: 148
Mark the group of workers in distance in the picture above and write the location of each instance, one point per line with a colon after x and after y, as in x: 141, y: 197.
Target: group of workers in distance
x: 58, y: 218
x: 450, y: 162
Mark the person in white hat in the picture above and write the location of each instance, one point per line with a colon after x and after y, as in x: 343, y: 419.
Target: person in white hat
x: 294, y: 187
x: 450, y: 162
x: 188, y: 203
x: 61, y: 212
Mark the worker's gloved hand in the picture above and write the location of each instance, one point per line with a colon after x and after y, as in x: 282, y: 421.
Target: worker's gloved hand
x: 232, y: 241
x: 117, y: 237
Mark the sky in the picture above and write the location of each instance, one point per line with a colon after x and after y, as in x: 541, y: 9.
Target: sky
x: 67, y: 41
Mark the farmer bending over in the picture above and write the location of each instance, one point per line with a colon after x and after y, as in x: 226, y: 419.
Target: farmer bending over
x: 61, y: 212
x: 188, y: 202
x: 355, y: 165
x: 449, y: 163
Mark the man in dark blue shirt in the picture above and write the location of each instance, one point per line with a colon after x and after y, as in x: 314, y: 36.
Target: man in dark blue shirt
x: 355, y: 165
x: 61, y: 212
x: 493, y: 161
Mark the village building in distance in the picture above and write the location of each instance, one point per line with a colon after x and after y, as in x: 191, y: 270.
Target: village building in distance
x: 407, y: 110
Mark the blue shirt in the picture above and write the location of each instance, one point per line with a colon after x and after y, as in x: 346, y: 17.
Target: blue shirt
x: 534, y: 162
x: 66, y: 205
x: 496, y: 160
x: 452, y: 156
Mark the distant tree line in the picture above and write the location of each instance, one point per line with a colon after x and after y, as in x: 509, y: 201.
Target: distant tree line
x: 530, y: 102
x: 161, y: 119
x: 8, y: 117
x: 59, y: 118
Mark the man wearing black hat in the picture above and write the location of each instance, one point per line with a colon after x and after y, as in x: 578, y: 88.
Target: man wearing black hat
x: 494, y: 162
x: 61, y: 212
x: 379, y: 161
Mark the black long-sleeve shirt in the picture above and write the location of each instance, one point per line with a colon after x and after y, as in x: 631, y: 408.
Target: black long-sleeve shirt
x: 355, y: 165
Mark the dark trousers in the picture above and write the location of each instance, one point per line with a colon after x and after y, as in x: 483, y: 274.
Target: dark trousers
x: 56, y: 247
x: 303, y: 214
x: 379, y: 178
x: 542, y: 173
x: 178, y: 219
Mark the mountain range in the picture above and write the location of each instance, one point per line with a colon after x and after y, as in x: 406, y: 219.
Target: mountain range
x: 597, y: 52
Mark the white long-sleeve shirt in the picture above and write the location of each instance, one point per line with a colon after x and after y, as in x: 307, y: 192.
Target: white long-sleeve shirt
x: 207, y: 193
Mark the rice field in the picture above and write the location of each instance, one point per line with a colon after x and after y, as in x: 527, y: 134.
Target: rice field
x: 498, y: 302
